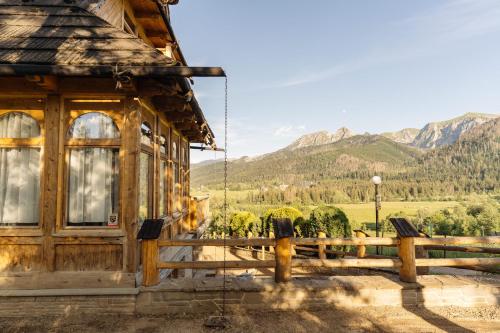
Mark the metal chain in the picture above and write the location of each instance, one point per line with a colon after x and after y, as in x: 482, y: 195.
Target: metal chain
x: 225, y: 199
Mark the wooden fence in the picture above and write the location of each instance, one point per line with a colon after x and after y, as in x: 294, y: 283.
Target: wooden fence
x: 410, y: 254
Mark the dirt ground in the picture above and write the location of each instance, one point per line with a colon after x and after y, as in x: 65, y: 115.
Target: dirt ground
x: 414, y: 320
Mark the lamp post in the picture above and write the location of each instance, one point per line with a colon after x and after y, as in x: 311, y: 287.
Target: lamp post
x: 376, y: 180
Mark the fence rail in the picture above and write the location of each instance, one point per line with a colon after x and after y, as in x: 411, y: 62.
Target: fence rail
x: 411, y: 252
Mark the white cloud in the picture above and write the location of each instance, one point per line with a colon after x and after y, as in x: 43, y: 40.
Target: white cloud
x: 288, y: 130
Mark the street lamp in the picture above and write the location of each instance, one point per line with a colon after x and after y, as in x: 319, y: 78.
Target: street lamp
x: 377, y: 181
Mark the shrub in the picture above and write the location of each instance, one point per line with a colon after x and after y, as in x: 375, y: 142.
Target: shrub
x: 242, y: 222
x: 330, y: 220
x: 283, y: 212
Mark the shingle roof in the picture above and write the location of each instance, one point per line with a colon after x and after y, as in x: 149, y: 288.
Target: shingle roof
x: 68, y: 35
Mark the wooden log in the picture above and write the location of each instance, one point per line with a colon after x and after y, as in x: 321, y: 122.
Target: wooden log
x: 193, y: 216
x: 321, y: 247
x: 468, y: 249
x: 345, y: 241
x: 217, y: 242
x: 361, y: 250
x: 408, y: 270
x: 283, y: 270
x: 458, y: 240
x: 345, y: 263
x: 305, y: 248
x: 216, y: 264
x: 458, y: 262
x: 271, y: 236
x: 150, y: 267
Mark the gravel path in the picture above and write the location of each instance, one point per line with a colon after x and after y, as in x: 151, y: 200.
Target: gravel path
x: 443, y: 319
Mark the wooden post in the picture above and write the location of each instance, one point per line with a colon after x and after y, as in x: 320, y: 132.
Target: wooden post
x: 249, y: 236
x: 150, y: 257
x: 271, y: 248
x: 283, y: 270
x: 406, y: 250
x: 193, y: 216
x: 322, y: 247
x: 361, y: 250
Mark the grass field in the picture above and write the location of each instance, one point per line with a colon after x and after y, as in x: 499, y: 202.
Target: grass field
x: 356, y: 212
x: 365, y: 212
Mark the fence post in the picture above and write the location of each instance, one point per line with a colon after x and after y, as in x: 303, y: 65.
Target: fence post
x: 284, y: 233
x: 283, y: 270
x: 150, y: 254
x: 193, y: 216
x: 361, y: 249
x: 406, y: 251
x: 322, y: 247
x: 271, y: 248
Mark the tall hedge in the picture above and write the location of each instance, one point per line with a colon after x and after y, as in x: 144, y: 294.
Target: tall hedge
x: 293, y: 214
x: 330, y: 220
x: 242, y: 222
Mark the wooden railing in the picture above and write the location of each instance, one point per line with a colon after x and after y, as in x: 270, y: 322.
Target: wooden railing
x: 406, y: 263
x: 199, y: 211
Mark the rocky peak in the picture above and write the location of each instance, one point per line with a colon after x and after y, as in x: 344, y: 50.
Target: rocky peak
x: 321, y: 138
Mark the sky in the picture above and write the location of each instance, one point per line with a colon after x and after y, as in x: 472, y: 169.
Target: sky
x: 296, y: 67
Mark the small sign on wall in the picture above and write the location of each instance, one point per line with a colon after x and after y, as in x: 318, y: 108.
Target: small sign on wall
x: 113, y: 220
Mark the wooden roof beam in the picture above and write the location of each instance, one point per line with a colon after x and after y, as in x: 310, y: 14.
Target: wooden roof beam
x: 148, y: 16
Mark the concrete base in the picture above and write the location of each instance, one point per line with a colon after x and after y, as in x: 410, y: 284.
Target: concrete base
x: 178, y: 296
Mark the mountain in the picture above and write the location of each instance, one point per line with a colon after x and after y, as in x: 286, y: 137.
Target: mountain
x: 446, y: 132
x: 320, y: 138
x: 314, y: 169
x: 359, y: 154
x: 472, y: 161
x: 406, y: 135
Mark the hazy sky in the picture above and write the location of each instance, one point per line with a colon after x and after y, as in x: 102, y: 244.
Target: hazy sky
x: 298, y: 66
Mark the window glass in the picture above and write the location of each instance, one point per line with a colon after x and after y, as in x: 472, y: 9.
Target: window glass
x: 163, y: 144
x: 174, y: 151
x: 18, y: 125
x: 175, y: 186
x: 93, y: 125
x: 146, y: 134
x: 162, y: 187
x: 93, y: 186
x: 144, y: 187
x: 19, y: 186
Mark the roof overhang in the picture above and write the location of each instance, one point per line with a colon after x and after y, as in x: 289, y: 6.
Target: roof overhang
x: 107, y: 70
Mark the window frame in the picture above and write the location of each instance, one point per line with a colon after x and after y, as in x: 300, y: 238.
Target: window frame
x: 175, y: 160
x: 147, y: 117
x: 164, y: 131
x: 34, y: 108
x: 185, y: 173
x: 112, y: 108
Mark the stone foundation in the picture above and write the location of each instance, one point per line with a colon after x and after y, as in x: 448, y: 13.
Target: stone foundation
x: 177, y: 296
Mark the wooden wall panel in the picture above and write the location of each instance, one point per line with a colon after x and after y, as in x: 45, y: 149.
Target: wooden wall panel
x: 89, y: 257
x: 20, y: 258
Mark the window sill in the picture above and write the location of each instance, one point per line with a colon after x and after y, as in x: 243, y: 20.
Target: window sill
x: 89, y: 233
x: 20, y: 231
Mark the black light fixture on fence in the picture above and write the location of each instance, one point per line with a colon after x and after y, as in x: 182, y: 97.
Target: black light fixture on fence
x: 376, y: 180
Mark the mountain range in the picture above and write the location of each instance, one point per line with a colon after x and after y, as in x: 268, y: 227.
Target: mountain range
x: 457, y: 155
x: 432, y: 135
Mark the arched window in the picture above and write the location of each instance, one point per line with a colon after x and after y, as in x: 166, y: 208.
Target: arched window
x: 176, y: 183
x: 146, y: 172
x: 19, y: 170
x: 93, y: 125
x: 93, y: 171
x: 162, y: 188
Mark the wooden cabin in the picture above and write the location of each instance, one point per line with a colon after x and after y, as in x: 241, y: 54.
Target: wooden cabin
x: 97, y: 115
